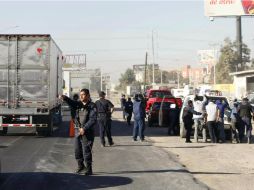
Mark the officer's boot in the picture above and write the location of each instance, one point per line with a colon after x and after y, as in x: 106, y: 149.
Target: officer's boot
x: 81, y: 167
x: 89, y: 170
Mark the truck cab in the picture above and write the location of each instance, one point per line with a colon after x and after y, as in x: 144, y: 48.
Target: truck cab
x: 160, y: 96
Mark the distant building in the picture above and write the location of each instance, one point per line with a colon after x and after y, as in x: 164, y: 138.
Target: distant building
x: 186, y: 71
x: 139, y: 71
x: 195, y: 75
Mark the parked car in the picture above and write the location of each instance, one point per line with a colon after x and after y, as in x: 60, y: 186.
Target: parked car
x: 227, y: 123
x: 160, y: 114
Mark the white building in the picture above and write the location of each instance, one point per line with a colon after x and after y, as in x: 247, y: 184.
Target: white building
x: 243, y: 82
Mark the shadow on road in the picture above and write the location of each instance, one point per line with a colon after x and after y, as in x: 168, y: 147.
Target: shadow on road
x: 147, y: 171
x: 184, y: 146
x: 58, y: 181
x: 3, y: 146
x: 133, y: 145
x: 216, y: 173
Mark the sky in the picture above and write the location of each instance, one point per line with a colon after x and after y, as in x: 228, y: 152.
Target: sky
x: 116, y: 34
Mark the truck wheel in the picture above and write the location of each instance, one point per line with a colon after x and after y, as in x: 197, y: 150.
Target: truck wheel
x: 150, y: 123
x: 4, y: 131
x: 182, y: 131
x: 45, y: 131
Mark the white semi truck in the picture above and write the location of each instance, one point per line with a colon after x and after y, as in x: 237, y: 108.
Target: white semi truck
x: 30, y: 81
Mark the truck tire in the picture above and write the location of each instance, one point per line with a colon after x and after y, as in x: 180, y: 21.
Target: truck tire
x: 182, y: 131
x: 4, y: 131
x: 150, y: 123
x: 45, y: 131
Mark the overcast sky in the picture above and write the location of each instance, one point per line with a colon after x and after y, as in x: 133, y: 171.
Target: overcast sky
x: 116, y: 35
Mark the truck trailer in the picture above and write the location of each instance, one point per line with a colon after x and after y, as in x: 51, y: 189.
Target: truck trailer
x: 30, y: 82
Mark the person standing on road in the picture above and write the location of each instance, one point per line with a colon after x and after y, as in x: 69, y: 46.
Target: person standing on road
x: 105, y: 109
x: 245, y: 111
x: 221, y: 106
x: 211, y: 119
x: 188, y: 119
x: 129, y: 109
x: 199, y: 119
x: 174, y: 119
x: 234, y: 123
x: 139, y: 118
x: 74, y: 110
x: 85, y: 121
x: 123, y: 101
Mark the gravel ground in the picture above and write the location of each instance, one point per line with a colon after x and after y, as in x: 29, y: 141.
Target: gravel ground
x: 219, y: 166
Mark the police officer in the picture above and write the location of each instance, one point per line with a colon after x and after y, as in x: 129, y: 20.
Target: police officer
x: 123, y: 101
x: 187, y: 117
x: 74, y: 110
x: 245, y: 112
x: 85, y: 120
x: 128, y: 110
x: 105, y: 109
x: 139, y: 118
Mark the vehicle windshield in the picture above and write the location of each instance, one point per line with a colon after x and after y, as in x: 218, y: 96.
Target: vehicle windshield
x: 160, y: 94
x: 213, y: 98
x: 165, y: 105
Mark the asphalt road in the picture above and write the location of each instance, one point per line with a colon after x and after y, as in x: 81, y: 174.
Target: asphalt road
x: 30, y: 162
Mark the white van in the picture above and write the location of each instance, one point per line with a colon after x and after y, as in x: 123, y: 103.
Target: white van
x: 227, y: 124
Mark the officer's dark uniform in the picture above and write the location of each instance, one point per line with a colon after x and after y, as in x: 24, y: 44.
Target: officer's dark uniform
x: 129, y: 109
x: 73, y: 109
x: 104, y: 119
x: 85, y: 118
x: 123, y: 101
x: 174, y: 120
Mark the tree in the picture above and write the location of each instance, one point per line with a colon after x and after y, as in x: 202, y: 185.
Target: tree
x: 229, y: 62
x: 126, y: 79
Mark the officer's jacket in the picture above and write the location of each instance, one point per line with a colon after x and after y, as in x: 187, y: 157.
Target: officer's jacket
x: 86, y: 116
x: 129, y: 106
x: 103, y: 108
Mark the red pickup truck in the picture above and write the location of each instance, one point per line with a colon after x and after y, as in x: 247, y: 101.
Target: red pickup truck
x: 159, y: 96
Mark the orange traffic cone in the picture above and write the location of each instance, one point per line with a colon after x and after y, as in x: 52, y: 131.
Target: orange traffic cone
x: 71, y: 130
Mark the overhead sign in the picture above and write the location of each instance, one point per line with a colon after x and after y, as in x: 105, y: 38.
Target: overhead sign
x: 207, y: 57
x: 215, y: 8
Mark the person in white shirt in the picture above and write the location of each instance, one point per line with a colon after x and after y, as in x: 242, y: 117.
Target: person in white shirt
x: 211, y: 119
x: 199, y: 119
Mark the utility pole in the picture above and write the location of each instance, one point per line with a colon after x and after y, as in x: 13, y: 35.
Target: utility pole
x: 101, y: 79
x: 145, y: 72
x: 178, y: 79
x: 85, y: 60
x: 161, y: 76
x: 153, y: 55
x: 239, y: 39
x: 216, y: 53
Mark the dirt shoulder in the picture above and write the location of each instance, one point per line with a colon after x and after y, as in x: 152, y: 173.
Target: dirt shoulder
x: 220, y: 166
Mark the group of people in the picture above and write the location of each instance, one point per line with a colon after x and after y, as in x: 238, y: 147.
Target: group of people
x: 209, y: 113
x: 138, y: 109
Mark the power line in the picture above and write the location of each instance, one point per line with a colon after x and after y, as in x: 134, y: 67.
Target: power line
x: 113, y: 38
